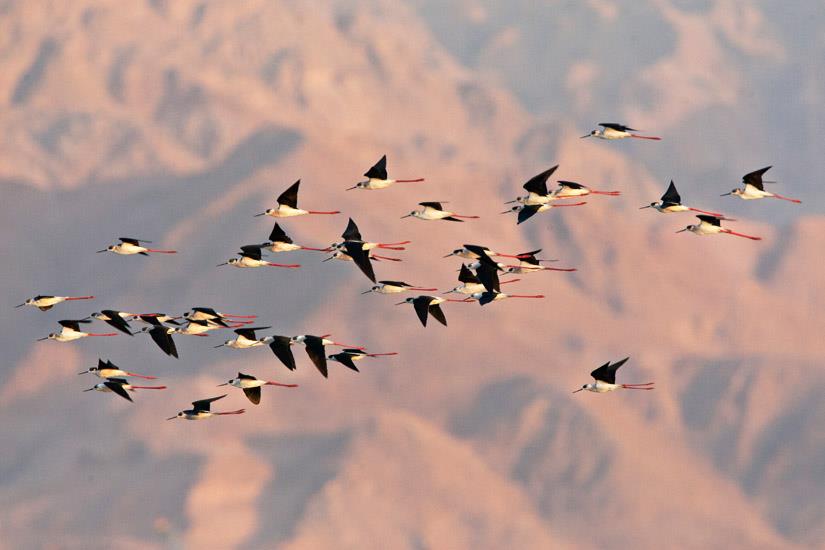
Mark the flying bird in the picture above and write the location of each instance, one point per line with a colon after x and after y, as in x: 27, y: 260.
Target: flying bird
x: 428, y: 305
x: 201, y: 410
x: 288, y: 205
x: 251, y: 386
x: 611, y: 130
x: 162, y: 336
x: 129, y: 246
x: 279, y: 241
x: 527, y: 211
x: 110, y: 370
x: 395, y: 287
x: 377, y: 177
x: 754, y: 188
x: 352, y: 235
x: 246, y: 339
x: 45, y: 303
x: 209, y: 314
x: 315, y: 349
x: 711, y: 225
x: 536, y: 188
x: 281, y: 347
x: 116, y: 319
x: 474, y: 252
x: 672, y: 202
x: 605, y: 379
x: 568, y: 189
x: 121, y: 387
x: 71, y: 331
x: 485, y: 298
x: 470, y: 283
x: 348, y: 357
x: 529, y: 263
x: 250, y: 256
x: 434, y: 211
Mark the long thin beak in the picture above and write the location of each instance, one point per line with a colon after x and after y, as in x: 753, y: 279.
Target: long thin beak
x: 21, y: 305
x: 400, y: 303
x: 407, y: 216
x: 104, y: 250
x: 643, y: 207
x: 84, y: 372
x: 90, y: 389
x: 578, y: 390
x: 724, y: 194
x: 448, y: 291
x: 225, y: 263
x: 448, y: 255
x: 351, y: 188
x: 224, y: 384
x: 171, y: 418
x: 328, y: 259
x: 685, y: 229
x: 588, y: 135
x: 259, y: 215
x: 367, y: 292
x: 505, y: 212
x: 511, y: 202
x: 220, y: 346
x: 41, y: 339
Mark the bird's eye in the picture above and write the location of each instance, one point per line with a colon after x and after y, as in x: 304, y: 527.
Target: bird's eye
x: 584, y: 387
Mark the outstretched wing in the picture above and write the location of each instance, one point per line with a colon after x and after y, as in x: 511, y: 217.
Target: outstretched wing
x: 671, y: 196
x: 755, y: 178
x: 618, y: 127
x: 163, y: 339
x: 571, y: 184
x: 204, y: 404
x: 379, y: 170
x: 538, y: 183
x: 488, y: 276
x: 351, y: 233
x: 527, y: 212
x: 361, y: 258
x: 436, y: 205
x: 421, y: 304
x: 253, y: 394
x: 607, y: 372
x: 252, y: 251
x: 290, y: 196
x: 466, y: 276
x: 278, y: 235
x: 315, y: 351
x: 713, y: 220
x: 116, y: 385
x: 116, y: 321
x: 438, y: 314
x: 346, y: 360
x: 281, y: 348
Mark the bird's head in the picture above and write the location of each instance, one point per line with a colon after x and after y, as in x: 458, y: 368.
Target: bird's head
x: 298, y: 339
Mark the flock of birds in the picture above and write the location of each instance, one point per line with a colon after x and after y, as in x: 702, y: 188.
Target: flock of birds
x: 479, y: 281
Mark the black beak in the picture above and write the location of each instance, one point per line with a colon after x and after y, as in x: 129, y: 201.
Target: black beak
x: 588, y: 135
x: 225, y: 263
x: 578, y: 390
x: 104, y: 250
x: 259, y: 215
x: 643, y: 207
x: 21, y: 305
x: 171, y: 418
x: 351, y: 188
x: 84, y: 372
x: 724, y: 194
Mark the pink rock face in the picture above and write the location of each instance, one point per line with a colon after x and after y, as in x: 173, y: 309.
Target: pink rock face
x: 177, y: 121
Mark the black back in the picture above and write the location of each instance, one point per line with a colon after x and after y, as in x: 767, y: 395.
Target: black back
x: 164, y: 340
x: 73, y: 324
x: 713, y: 220
x: 755, y: 178
x: 315, y: 351
x: 379, y: 170
x: 242, y: 376
x: 488, y: 276
x: 278, y: 235
x: 116, y: 321
x: 619, y: 127
x: 607, y: 372
x: 361, y: 257
x: 290, y: 196
x: 116, y: 385
x: 466, y: 276
x: 130, y: 240
x: 671, y: 196
x: 527, y: 212
x: 571, y: 184
x: 436, y: 205
x: 280, y: 346
x: 204, y: 404
x: 351, y: 233
x: 207, y: 311
x: 538, y: 183
x: 252, y: 251
x: 253, y: 394
x: 249, y: 332
x: 400, y: 284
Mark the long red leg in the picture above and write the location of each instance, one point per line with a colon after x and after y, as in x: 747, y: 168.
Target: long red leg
x: 510, y: 281
x: 717, y: 214
x: 645, y: 137
x: 609, y: 193
x: 315, y: 249
x: 387, y: 247
x: 627, y: 387
x: 80, y: 298
x: 525, y: 295
x: 751, y: 237
x: 240, y: 316
x: 565, y: 269
x: 290, y: 266
x: 382, y: 354
x: 282, y: 385
x: 467, y: 217
x: 239, y: 411
x: 145, y: 377
x: 162, y: 251
x: 410, y: 181
x: 321, y: 212
x: 348, y: 346
x: 423, y: 289
x: 797, y: 201
x: 573, y: 204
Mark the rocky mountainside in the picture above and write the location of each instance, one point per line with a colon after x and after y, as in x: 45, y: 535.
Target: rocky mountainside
x: 177, y: 121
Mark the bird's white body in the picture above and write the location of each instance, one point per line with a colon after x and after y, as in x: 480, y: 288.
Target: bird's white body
x: 475, y: 265
x: 283, y: 247
x: 284, y: 211
x: 430, y: 213
x: 127, y: 249
x: 104, y: 388
x: 526, y: 268
x: 199, y: 415
x: 382, y: 288
x: 749, y: 193
x: 110, y: 373
x: 564, y: 192
x: 301, y: 337
x: 68, y: 335
x: 498, y: 296
x: 469, y: 288
x: 601, y: 387
x: 245, y: 261
x: 704, y: 228
x: 610, y: 133
x: 46, y: 302
x: 535, y: 199
x: 196, y: 328
x: 659, y: 207
x: 241, y: 342
x: 375, y: 183
x: 245, y: 383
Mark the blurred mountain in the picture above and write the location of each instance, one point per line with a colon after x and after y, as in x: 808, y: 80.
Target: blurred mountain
x: 177, y: 121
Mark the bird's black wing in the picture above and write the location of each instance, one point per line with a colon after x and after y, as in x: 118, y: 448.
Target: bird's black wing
x: 438, y: 314
x: 421, y: 304
x: 755, y: 178
x: 615, y: 126
x: 713, y: 220
x: 607, y: 372
x: 346, y: 360
x: 253, y: 394
x: 671, y: 196
x: 351, y: 233
x: 133, y: 241
x: 252, y: 251
x: 115, y: 320
x: 486, y: 298
x: 436, y: 205
x: 249, y: 332
x: 204, y: 404
x: 401, y: 284
x: 278, y: 235
x: 280, y: 346
x: 315, y: 351
x: 243, y: 376
x: 116, y: 385
x: 73, y: 324
x: 379, y: 170
x: 488, y: 276
x: 290, y: 196
x: 571, y: 184
x: 466, y: 276
x: 527, y: 212
x: 164, y: 340
x: 538, y: 183
x: 361, y: 258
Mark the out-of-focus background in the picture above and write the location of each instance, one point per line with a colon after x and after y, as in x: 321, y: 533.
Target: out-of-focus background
x: 176, y: 121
